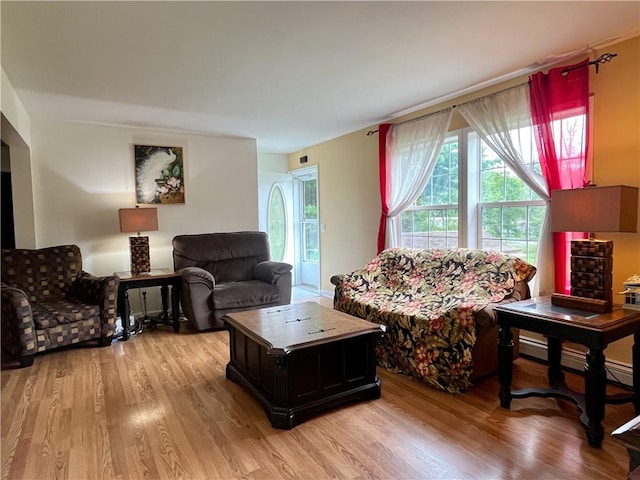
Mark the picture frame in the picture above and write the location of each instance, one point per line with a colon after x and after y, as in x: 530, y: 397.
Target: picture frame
x: 159, y: 175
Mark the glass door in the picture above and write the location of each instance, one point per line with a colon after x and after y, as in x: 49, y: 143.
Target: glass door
x: 307, y: 232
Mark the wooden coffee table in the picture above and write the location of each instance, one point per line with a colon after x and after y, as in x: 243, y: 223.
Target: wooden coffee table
x: 301, y: 359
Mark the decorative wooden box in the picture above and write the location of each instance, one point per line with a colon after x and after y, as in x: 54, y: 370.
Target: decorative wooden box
x: 591, y: 265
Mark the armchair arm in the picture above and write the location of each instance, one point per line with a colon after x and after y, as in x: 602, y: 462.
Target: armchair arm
x: 277, y: 273
x: 196, y: 296
x: 18, y: 328
x: 102, y: 291
x: 269, y: 271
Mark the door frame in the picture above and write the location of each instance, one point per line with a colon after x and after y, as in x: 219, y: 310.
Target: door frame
x: 298, y: 175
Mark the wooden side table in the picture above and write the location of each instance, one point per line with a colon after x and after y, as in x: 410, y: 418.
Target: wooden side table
x: 160, y: 277
x: 593, y: 330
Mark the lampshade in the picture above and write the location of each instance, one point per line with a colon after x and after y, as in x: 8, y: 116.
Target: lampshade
x: 595, y: 209
x: 592, y: 209
x: 138, y: 219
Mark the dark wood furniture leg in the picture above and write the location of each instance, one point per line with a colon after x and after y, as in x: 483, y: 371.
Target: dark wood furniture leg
x: 123, y: 308
x: 595, y: 384
x: 175, y: 306
x: 505, y: 364
x: 554, y: 357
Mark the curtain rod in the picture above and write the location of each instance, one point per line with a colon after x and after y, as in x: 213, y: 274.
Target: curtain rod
x: 602, y: 59
x: 453, y: 107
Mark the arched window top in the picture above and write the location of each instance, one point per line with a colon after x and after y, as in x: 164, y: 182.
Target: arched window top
x: 277, y: 223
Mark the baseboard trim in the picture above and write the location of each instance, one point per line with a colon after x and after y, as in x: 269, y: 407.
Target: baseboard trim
x: 327, y: 293
x: 617, y: 372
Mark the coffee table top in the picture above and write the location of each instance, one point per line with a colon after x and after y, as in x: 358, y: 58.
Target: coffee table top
x: 286, y: 328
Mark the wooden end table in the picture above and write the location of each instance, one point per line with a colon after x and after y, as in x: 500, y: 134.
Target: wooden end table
x: 300, y: 359
x: 593, y: 330
x: 157, y: 277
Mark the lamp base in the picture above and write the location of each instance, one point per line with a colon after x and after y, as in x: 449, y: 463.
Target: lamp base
x: 580, y: 303
x: 140, y: 262
x: 592, y: 274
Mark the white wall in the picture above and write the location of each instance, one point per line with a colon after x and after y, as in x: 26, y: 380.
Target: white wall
x: 13, y: 109
x: 84, y: 173
x: 16, y: 133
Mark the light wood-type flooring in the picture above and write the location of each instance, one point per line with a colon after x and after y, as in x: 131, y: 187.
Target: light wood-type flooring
x: 159, y: 406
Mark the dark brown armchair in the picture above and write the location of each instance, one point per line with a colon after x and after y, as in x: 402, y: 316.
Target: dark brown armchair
x: 228, y: 272
x: 48, y: 301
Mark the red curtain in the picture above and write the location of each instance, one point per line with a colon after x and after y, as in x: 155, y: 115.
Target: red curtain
x: 557, y: 104
x: 385, y: 183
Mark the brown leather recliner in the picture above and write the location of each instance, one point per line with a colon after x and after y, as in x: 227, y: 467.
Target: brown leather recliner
x: 228, y: 272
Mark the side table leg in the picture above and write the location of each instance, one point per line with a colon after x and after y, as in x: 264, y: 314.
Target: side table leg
x: 123, y: 308
x: 554, y: 356
x: 505, y: 364
x: 595, y: 386
x: 175, y: 307
x: 636, y: 371
x: 164, y: 294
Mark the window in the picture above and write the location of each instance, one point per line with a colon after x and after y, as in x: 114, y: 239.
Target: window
x: 432, y: 221
x: 474, y: 199
x: 277, y: 223
x: 511, y: 214
x: 310, y: 235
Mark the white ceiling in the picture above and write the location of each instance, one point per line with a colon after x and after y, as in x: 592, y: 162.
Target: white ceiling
x: 290, y: 74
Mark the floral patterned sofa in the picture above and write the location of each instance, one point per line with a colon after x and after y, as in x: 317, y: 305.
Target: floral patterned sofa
x: 437, y: 306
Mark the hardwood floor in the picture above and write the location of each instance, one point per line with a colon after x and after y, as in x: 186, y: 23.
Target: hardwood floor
x: 159, y: 406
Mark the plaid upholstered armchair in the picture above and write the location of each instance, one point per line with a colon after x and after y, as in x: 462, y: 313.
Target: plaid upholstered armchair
x: 48, y: 301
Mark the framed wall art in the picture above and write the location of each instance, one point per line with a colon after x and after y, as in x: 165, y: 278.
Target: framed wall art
x: 159, y: 174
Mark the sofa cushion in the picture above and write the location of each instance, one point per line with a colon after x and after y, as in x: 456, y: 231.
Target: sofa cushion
x: 253, y: 293
x: 62, y: 311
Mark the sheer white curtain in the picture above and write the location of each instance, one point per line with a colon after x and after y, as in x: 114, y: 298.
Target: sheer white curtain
x: 503, y: 121
x: 412, y: 152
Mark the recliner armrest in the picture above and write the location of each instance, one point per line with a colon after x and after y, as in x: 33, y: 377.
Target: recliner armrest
x: 337, y: 279
x: 197, y: 275
x: 269, y: 271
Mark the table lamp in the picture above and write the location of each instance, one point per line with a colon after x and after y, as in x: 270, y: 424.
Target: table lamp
x: 139, y: 220
x: 592, y: 209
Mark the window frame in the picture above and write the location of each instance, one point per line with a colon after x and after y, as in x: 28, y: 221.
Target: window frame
x: 470, y: 207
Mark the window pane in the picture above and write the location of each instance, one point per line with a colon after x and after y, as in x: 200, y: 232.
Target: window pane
x: 310, y: 189
x: 311, y: 250
x: 491, y: 223
x: 430, y: 228
x: 277, y: 224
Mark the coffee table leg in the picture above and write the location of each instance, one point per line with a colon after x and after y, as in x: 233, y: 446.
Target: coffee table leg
x: 505, y: 364
x: 555, y: 373
x: 595, y: 385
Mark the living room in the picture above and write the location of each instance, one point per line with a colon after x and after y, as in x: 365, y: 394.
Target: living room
x: 73, y: 176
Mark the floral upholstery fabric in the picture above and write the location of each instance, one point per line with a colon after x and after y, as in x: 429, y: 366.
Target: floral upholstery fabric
x: 428, y: 300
